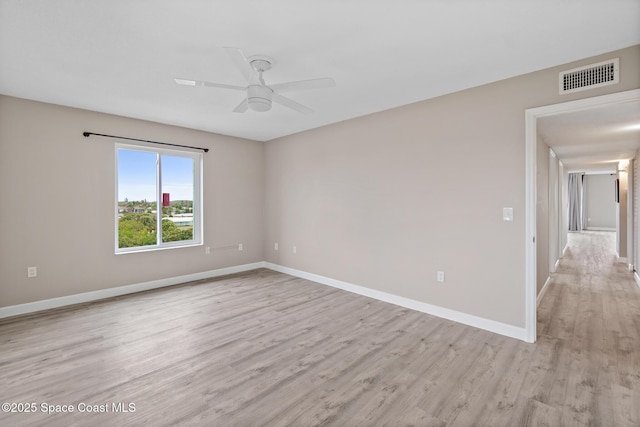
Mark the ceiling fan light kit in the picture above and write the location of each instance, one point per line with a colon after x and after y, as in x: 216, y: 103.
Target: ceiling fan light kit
x: 259, y: 96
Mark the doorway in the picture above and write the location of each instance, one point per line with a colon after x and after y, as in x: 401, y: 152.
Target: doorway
x: 531, y: 167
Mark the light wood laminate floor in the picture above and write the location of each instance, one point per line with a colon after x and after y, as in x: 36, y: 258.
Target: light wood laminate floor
x: 264, y: 348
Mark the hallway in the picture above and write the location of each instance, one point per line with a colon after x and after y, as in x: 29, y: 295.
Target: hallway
x: 589, y: 322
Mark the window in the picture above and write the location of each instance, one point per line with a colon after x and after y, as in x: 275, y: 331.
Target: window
x: 158, y: 198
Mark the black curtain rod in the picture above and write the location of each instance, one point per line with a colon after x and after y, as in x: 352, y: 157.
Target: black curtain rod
x: 88, y: 134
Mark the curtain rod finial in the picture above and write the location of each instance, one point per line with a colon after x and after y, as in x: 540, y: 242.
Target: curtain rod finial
x: 86, y: 134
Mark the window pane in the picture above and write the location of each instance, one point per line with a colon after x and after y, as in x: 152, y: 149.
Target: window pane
x: 137, y: 201
x: 147, y: 200
x: 177, y: 196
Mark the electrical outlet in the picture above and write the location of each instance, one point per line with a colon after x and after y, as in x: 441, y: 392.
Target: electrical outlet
x: 240, y: 247
x: 440, y: 276
x: 295, y: 250
x: 32, y: 272
x: 207, y: 250
x: 275, y: 246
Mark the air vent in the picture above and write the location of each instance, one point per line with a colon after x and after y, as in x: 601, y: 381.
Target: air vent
x: 590, y: 76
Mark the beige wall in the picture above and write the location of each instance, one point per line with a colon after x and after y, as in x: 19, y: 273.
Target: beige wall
x: 543, y: 216
x: 600, y: 202
x: 555, y: 181
x: 386, y: 200
x: 635, y: 217
x: 630, y: 208
x: 555, y: 218
x: 622, y: 215
x: 564, y: 209
x: 57, y: 190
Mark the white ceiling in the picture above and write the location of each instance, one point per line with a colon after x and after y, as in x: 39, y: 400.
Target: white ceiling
x: 595, y: 139
x: 120, y: 56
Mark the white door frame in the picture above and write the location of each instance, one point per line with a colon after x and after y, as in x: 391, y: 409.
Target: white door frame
x: 531, y: 117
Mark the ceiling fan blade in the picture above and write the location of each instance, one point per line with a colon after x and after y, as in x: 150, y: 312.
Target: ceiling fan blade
x: 291, y: 104
x: 242, y: 107
x: 186, y: 82
x: 241, y: 62
x: 304, y: 85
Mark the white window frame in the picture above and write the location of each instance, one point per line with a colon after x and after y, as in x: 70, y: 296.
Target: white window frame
x: 197, y: 196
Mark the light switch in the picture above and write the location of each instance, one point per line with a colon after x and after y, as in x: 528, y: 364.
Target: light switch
x: 507, y: 214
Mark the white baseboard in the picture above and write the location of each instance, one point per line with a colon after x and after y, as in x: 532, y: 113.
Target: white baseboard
x: 542, y: 291
x: 564, y: 251
x: 14, y: 310
x: 445, y: 313
x: 621, y: 259
x: 600, y: 229
x: 637, y: 278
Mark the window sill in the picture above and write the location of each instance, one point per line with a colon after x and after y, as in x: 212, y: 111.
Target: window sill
x: 156, y: 248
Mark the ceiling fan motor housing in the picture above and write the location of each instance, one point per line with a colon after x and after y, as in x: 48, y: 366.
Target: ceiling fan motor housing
x: 259, y: 98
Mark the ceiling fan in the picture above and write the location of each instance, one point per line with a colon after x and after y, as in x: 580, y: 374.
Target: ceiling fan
x: 259, y: 94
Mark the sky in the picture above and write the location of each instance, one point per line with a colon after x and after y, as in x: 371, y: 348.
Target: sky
x: 137, y: 176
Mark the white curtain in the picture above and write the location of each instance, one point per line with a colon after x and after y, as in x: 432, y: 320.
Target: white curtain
x: 575, y: 202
